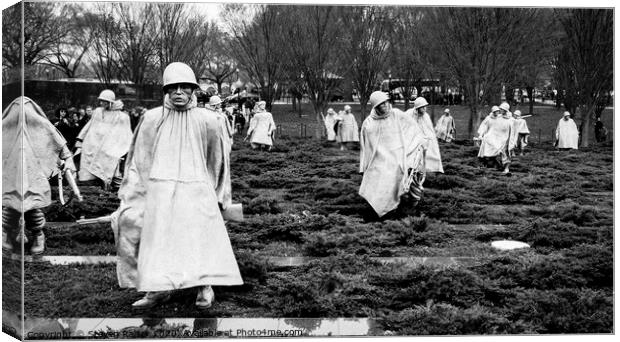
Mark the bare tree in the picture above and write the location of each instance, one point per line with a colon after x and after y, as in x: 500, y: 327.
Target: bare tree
x: 43, y: 29
x: 478, y: 44
x: 365, y: 46
x: 406, y: 50
x: 584, y: 66
x: 315, y: 53
x: 68, y: 54
x: 219, y: 65
x: 257, y: 44
x: 137, y: 41
x: 105, y: 32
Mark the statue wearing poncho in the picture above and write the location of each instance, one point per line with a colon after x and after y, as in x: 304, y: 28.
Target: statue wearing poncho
x: 32, y: 151
x: 387, y: 144
x: 169, y: 230
x: 104, y: 140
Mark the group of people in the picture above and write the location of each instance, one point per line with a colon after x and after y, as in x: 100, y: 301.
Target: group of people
x: 499, y: 134
x: 341, y: 127
x: 176, y: 184
x: 172, y: 173
x: 397, y: 149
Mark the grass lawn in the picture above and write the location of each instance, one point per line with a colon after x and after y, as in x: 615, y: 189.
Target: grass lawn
x: 301, y: 199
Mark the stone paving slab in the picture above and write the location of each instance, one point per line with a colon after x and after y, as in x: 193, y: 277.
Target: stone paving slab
x: 118, y: 328
x: 278, y: 262
x: 483, y: 227
x: 600, y: 193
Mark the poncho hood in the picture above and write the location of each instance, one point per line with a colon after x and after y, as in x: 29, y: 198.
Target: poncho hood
x: 31, y: 151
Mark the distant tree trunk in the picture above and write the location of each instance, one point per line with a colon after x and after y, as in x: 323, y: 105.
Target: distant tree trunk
x: 530, y: 95
x: 586, y: 118
x: 363, y: 107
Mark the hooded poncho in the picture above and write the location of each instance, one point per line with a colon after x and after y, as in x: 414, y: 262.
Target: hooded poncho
x: 433, y: 156
x: 169, y: 229
x: 261, y: 127
x: 445, y: 128
x: 520, y: 126
x: 567, y: 134
x: 347, y: 129
x: 387, y: 144
x: 106, y: 138
x: 330, y: 121
x: 497, y: 138
x: 32, y: 151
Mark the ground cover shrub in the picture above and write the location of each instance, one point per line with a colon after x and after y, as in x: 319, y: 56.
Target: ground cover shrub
x: 555, y: 234
x: 578, y: 214
x: 452, y: 168
x: 496, y: 192
x: 319, y: 288
x: 457, y: 286
x: 444, y: 182
x: 281, y: 227
x: 563, y: 311
x: 253, y: 271
x: 595, y: 262
x: 277, y: 179
x: 11, y: 284
x: 262, y: 205
x: 445, y: 319
x: 599, y: 183
x: 333, y: 189
x: 586, y: 267
x: 97, y: 202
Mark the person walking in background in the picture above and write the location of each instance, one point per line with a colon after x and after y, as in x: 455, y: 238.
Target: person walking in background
x: 425, y: 125
x: 347, y: 131
x: 566, y: 133
x: 135, y: 114
x: 445, y: 128
x: 214, y: 107
x: 520, y: 128
x: 600, y: 132
x: 261, y: 128
x: 330, y: 122
x: 103, y: 142
x: 239, y: 122
x: 169, y: 229
x: 67, y: 127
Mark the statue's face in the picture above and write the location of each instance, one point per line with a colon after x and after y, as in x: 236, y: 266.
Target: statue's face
x: 105, y: 104
x: 180, y: 94
x: 383, y: 108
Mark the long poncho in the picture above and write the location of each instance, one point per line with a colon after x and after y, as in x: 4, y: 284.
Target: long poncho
x: 106, y: 138
x: 387, y: 145
x: 32, y: 151
x: 348, y: 130
x: 497, y: 138
x: 170, y: 232
x: 445, y: 128
x: 433, y: 156
x: 330, y: 121
x: 520, y: 126
x: 567, y: 134
x: 261, y: 127
x: 483, y: 125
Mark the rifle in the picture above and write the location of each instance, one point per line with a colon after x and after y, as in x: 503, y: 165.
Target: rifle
x: 233, y: 213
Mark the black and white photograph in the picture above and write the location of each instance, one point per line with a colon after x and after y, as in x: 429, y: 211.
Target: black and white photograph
x: 307, y: 169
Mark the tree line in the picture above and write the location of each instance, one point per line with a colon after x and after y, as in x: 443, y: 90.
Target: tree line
x: 310, y: 49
